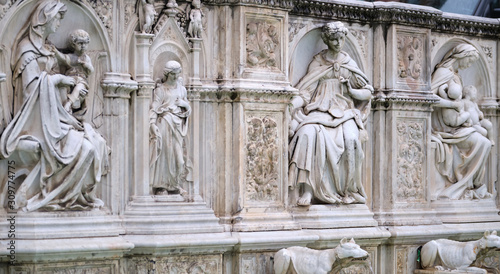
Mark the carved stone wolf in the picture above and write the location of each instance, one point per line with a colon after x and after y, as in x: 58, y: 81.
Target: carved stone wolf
x: 446, y: 254
x: 303, y: 260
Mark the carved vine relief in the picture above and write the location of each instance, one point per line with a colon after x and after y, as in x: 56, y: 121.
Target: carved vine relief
x: 410, y: 161
x: 262, y: 159
x: 410, y: 57
x: 262, y: 44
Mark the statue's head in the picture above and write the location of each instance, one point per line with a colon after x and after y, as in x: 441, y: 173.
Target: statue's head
x: 79, y: 40
x: 172, y: 68
x: 463, y: 54
x: 333, y: 34
x: 46, y: 12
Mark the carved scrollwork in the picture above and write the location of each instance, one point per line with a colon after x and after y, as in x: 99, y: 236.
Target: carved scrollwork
x: 361, y: 36
x: 293, y: 29
x: 410, y: 159
x: 104, y: 9
x: 262, y: 159
x: 5, y: 7
x: 410, y: 54
x: 262, y: 42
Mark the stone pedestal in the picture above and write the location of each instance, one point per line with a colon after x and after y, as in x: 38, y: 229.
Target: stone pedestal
x: 167, y: 215
x: 334, y: 216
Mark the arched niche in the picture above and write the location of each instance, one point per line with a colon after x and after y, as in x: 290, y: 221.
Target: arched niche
x: 77, y: 16
x: 477, y: 74
x: 310, y: 44
x: 169, y: 44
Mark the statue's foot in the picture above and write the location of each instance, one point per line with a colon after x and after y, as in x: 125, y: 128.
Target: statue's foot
x: 359, y: 198
x: 161, y: 191
x: 348, y: 200
x: 305, y: 199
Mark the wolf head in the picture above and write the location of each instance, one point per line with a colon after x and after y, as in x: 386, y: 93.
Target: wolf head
x: 490, y: 240
x: 349, y: 249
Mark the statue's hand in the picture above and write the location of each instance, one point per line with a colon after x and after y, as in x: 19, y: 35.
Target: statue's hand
x: 83, y: 92
x: 154, y: 130
x: 66, y: 81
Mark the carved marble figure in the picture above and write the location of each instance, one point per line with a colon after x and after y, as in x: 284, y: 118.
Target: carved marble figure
x: 195, y: 27
x: 58, y: 159
x: 303, y: 260
x: 444, y: 254
x: 462, y: 151
x: 477, y: 120
x: 146, y: 11
x: 169, y: 115
x: 327, y: 125
x: 77, y: 65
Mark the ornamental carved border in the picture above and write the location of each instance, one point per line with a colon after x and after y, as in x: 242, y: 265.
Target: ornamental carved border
x: 389, y: 13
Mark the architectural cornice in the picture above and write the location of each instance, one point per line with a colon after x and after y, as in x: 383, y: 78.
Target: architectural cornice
x: 398, y: 13
x: 280, y: 4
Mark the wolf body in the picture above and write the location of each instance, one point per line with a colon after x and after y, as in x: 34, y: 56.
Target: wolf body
x: 448, y: 254
x: 303, y: 260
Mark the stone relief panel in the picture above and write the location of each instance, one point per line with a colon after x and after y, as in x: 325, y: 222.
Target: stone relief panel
x: 58, y: 156
x: 410, y: 160
x: 327, y: 121
x: 411, y: 60
x: 256, y: 263
x: 4, y: 7
x: 263, y: 44
x: 199, y: 264
x: 262, y: 153
x: 457, y: 121
x: 406, y: 259
x: 362, y: 37
x: 104, y: 9
x: 294, y: 27
x: 104, y: 267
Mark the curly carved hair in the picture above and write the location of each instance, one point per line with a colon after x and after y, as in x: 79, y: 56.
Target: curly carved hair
x: 332, y: 30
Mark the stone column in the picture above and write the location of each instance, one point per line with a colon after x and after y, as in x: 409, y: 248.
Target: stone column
x: 117, y: 88
x: 140, y: 104
x: 402, y: 126
x: 195, y: 61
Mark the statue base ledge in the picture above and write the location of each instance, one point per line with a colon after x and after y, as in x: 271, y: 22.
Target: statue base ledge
x: 271, y: 219
x: 334, y: 216
x: 169, y: 214
x: 59, y: 225
x: 45, y: 250
x: 466, y: 211
x: 435, y: 271
x: 407, y: 217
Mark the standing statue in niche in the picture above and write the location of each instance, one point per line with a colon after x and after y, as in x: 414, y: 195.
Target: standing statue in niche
x: 169, y: 114
x: 327, y: 125
x: 462, y: 147
x: 58, y: 158
x: 195, y: 27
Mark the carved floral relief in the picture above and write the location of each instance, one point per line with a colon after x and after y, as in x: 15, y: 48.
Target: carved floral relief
x: 410, y: 57
x: 262, y: 159
x: 262, y: 45
x: 410, y: 161
x: 104, y: 9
